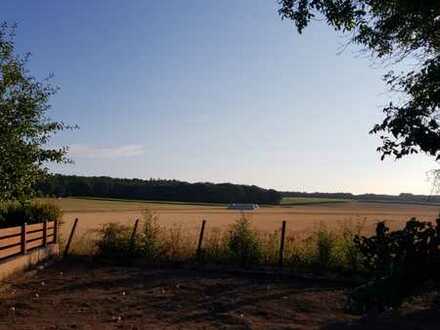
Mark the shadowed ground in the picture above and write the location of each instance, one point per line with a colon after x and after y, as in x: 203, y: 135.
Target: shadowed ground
x: 77, y: 295
x: 80, y: 296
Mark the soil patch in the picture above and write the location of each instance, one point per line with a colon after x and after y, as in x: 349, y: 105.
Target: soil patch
x: 79, y: 295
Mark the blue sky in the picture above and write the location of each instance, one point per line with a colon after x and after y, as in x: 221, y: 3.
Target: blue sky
x: 220, y: 91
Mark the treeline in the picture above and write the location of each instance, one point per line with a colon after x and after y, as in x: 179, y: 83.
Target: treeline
x: 401, y: 198
x: 155, y: 189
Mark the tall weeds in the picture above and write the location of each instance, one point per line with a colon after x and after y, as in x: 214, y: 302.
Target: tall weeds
x: 244, y: 246
x: 148, y: 242
x: 322, y: 249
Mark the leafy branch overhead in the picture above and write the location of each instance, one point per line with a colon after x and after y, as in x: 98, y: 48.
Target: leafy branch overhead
x: 398, y: 30
x: 25, y: 128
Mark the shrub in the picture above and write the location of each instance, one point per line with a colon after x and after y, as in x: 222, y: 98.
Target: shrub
x: 299, y: 251
x: 114, y: 242
x: 346, y: 253
x: 243, y: 244
x: 325, y: 241
x: 324, y: 249
x: 148, y: 243
x: 400, y: 263
x: 321, y: 250
x: 151, y: 244
x: 15, y: 214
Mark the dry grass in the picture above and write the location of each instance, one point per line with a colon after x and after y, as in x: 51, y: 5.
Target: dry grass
x: 183, y: 221
x: 321, y: 249
x: 300, y: 219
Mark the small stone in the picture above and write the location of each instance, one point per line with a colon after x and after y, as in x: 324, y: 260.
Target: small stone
x: 117, y: 318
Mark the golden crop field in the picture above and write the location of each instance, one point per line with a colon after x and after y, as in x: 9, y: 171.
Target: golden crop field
x: 92, y: 213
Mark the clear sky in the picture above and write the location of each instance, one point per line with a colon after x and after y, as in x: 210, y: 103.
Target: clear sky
x: 220, y: 91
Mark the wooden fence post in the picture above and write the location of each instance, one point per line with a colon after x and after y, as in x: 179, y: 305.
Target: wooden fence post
x: 283, y: 236
x: 202, y: 232
x: 55, y: 231
x: 66, y: 251
x: 45, y: 233
x: 23, y: 239
x: 133, y: 234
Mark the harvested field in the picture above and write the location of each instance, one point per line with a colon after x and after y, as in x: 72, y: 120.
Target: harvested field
x: 79, y: 295
x: 300, y: 218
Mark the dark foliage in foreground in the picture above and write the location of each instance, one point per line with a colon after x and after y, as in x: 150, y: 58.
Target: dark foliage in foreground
x: 158, y: 190
x: 401, y: 262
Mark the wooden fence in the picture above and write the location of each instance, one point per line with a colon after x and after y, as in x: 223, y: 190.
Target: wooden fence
x: 19, y: 240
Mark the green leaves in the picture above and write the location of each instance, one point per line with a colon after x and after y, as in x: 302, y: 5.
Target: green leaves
x: 24, y: 127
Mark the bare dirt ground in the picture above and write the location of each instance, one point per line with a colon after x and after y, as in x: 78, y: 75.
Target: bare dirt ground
x: 300, y: 218
x: 79, y: 295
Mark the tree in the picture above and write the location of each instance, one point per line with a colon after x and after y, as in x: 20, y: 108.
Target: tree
x: 24, y: 126
x: 397, y: 30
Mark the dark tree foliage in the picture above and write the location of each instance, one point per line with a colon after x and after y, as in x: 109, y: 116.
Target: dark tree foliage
x: 393, y: 29
x: 400, y: 261
x: 24, y: 127
x: 158, y: 190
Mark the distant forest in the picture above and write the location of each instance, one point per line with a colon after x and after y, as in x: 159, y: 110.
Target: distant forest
x: 154, y: 189
x: 401, y: 198
x: 202, y: 192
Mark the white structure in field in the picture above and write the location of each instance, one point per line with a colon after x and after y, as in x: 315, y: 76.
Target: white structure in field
x: 243, y: 207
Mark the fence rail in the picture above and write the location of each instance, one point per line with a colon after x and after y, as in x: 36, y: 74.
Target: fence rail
x: 19, y: 240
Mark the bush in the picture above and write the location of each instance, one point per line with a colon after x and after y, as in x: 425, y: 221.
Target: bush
x: 151, y: 243
x: 114, y: 243
x: 15, y: 214
x: 347, y: 256
x: 243, y: 244
x: 148, y: 243
x: 322, y: 250
x: 325, y: 243
x: 400, y: 263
